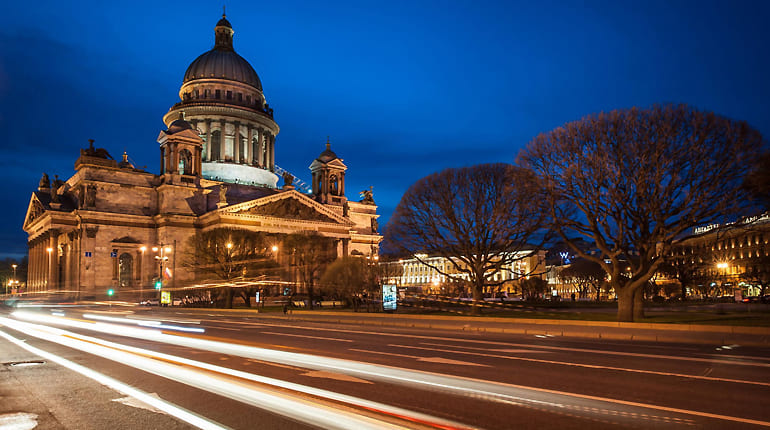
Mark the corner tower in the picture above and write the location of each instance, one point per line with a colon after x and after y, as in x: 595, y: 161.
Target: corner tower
x: 329, y: 177
x: 221, y: 97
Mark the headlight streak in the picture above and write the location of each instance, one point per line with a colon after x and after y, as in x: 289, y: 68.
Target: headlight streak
x: 160, y: 404
x: 173, y: 367
x: 579, y: 404
x: 143, y: 323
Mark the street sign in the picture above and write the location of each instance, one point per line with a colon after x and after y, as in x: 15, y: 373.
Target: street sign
x: 88, y: 253
x: 113, y: 254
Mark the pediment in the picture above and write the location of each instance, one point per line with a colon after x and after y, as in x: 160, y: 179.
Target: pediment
x: 289, y: 205
x: 35, y: 209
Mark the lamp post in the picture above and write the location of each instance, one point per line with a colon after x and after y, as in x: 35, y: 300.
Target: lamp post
x: 49, y: 250
x: 161, y: 258
x: 141, y: 273
x: 13, y: 281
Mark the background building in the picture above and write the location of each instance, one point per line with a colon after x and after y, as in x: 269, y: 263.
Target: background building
x: 419, y: 276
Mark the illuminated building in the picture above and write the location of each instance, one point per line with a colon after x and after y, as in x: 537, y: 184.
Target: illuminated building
x: 421, y: 275
x: 97, y: 229
x: 718, y: 259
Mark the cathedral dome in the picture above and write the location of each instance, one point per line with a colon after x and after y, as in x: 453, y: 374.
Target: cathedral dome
x: 222, y: 62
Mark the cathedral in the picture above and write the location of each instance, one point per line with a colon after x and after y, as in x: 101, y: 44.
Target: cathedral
x: 113, y: 226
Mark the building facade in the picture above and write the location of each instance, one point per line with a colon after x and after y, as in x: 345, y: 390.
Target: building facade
x: 730, y: 259
x: 114, y: 226
x: 423, y: 273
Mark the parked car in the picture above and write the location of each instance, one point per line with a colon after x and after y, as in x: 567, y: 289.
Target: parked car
x: 150, y: 302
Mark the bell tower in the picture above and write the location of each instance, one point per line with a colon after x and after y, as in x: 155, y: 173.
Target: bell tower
x: 180, y: 150
x: 328, y: 172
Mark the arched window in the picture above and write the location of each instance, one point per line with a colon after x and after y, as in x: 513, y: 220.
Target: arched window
x: 333, y: 186
x: 216, y: 144
x: 125, y: 269
x: 185, y: 162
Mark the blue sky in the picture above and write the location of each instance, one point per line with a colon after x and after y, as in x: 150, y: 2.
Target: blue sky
x: 403, y: 88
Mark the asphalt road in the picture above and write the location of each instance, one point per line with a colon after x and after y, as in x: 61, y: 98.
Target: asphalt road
x: 220, y: 370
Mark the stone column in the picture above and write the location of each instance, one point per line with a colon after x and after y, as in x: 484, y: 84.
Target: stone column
x: 53, y: 264
x: 32, y: 263
x: 162, y: 160
x: 342, y: 183
x: 208, y: 139
x: 222, y: 139
x: 260, y: 147
x: 237, y: 142
x: 248, y: 149
x: 270, y: 152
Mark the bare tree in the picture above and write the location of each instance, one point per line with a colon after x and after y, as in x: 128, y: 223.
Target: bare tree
x: 481, y: 219
x: 634, y: 180
x: 229, y: 255
x: 585, y: 275
x: 310, y: 253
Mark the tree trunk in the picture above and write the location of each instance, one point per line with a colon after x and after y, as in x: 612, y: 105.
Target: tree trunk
x: 310, y: 296
x: 228, y: 297
x: 639, y: 304
x: 477, y: 295
x: 625, y: 304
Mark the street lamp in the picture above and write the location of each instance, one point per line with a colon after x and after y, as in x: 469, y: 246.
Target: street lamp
x: 141, y: 274
x: 13, y: 281
x: 49, y: 250
x: 161, y: 258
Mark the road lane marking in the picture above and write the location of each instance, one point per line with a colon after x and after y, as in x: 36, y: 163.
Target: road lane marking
x: 724, y: 360
x: 309, y: 337
x: 167, y: 407
x: 335, y: 376
x: 588, y: 366
x: 439, y: 360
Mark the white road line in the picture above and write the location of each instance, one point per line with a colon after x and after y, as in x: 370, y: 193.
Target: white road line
x: 154, y: 401
x: 588, y: 366
x: 439, y: 360
x: 309, y: 337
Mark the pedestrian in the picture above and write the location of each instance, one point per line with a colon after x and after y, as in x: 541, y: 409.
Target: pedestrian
x: 285, y: 308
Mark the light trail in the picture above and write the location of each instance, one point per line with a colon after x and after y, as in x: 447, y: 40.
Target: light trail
x: 160, y: 404
x: 143, y: 323
x: 550, y: 400
x: 184, y: 370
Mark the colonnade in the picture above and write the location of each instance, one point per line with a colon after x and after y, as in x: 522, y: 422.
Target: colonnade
x: 52, y: 262
x: 254, y: 145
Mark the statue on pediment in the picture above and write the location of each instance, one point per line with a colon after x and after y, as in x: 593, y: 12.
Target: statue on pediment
x: 367, y: 196
x: 44, y: 182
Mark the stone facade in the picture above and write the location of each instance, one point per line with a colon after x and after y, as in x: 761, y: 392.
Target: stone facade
x: 113, y: 226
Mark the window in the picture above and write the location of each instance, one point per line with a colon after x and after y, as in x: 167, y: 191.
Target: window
x: 229, y: 95
x: 185, y: 162
x: 218, y: 94
x: 125, y: 269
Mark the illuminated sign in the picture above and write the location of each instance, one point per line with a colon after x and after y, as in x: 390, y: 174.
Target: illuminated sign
x: 165, y: 297
x: 389, y: 297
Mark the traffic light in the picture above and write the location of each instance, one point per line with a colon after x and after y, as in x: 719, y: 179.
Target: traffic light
x: 110, y: 292
x: 158, y: 283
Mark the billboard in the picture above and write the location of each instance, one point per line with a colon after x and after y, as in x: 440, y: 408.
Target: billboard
x: 389, y: 297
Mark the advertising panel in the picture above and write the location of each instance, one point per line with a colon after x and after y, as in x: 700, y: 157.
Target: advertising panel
x: 389, y: 297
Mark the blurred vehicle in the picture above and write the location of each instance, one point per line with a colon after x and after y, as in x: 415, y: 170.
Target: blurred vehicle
x: 750, y: 299
x: 150, y: 302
